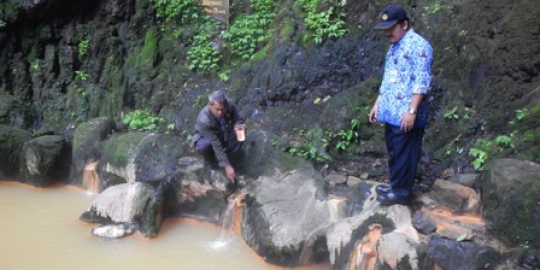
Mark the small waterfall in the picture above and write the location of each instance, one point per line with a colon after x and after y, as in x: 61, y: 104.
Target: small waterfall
x: 227, y: 227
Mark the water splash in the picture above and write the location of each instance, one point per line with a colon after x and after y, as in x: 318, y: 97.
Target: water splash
x: 227, y: 219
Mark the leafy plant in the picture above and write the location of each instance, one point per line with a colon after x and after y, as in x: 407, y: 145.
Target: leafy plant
x: 202, y: 56
x: 224, y: 76
x: 2, y: 24
x: 324, y: 19
x: 35, y: 67
x: 142, y: 120
x: 480, y: 157
x: 245, y: 33
x: 82, y: 48
x: 433, y: 9
x: 349, y: 136
x: 522, y: 113
x: 486, y: 149
x: 309, y: 145
x: 452, y: 114
x: 172, y: 9
x: 81, y: 75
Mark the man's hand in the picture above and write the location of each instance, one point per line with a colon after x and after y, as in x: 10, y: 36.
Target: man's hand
x: 231, y: 174
x: 373, y: 114
x: 407, y: 121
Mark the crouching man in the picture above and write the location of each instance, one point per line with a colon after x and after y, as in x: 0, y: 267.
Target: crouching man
x: 215, y: 136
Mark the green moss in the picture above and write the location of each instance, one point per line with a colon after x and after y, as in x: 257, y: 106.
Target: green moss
x: 120, y: 149
x: 525, y: 226
x: 140, y: 65
x: 114, y: 97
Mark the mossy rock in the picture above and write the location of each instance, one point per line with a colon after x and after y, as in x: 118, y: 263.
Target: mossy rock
x: 509, y: 194
x: 139, y: 157
x: 87, y: 143
x: 45, y: 160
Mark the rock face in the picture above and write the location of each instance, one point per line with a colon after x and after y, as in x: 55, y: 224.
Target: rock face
x: 510, y: 190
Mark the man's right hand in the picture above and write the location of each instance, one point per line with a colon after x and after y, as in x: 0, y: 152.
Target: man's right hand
x: 231, y: 174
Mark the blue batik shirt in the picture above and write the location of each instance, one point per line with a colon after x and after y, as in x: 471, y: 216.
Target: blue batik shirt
x: 406, y: 72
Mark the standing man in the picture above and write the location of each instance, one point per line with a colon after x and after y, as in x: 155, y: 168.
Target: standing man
x: 401, y: 103
x: 214, y: 134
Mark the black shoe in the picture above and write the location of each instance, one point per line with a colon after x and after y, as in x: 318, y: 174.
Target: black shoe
x: 382, y: 189
x: 391, y: 198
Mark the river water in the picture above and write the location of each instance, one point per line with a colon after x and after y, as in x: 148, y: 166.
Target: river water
x: 40, y: 229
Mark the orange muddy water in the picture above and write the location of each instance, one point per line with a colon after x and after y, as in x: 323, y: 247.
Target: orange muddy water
x: 40, y: 229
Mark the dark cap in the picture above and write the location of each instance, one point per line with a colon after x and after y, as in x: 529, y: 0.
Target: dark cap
x: 390, y: 16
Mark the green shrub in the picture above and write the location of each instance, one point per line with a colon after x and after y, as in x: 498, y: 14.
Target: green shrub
x: 247, y: 32
x: 142, y: 120
x: 202, y: 56
x: 172, y: 9
x: 323, y: 18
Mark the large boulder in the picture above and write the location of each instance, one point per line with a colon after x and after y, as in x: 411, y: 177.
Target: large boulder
x: 509, y: 194
x: 285, y: 210
x: 139, y: 157
x: 87, y: 144
x: 45, y: 160
x: 284, y: 214
x: 11, y: 143
x: 196, y: 191
x: 130, y: 203
x: 375, y: 236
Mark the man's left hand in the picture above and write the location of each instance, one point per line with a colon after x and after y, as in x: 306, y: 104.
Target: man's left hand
x: 407, y: 121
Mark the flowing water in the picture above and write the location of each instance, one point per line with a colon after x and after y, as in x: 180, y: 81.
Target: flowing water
x: 40, y: 229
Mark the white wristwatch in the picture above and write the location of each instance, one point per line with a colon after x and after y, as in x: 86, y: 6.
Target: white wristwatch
x: 412, y: 111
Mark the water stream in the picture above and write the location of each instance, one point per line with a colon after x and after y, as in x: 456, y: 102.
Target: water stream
x: 40, y: 229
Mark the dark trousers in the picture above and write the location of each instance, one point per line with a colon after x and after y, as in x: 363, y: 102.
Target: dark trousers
x: 403, y: 154
x: 204, y: 146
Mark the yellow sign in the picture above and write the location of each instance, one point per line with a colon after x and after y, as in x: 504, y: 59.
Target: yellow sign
x: 218, y: 9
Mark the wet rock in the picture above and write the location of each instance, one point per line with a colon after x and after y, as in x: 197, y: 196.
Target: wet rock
x: 87, y: 144
x: 509, y: 192
x: 378, y: 237
x: 286, y: 214
x: 45, y: 160
x: 353, y: 181
x: 453, y: 196
x: 11, y: 143
x: 139, y: 157
x: 423, y: 223
x: 467, y: 180
x: 450, y: 254
x: 531, y: 259
x: 119, y: 204
x: 199, y: 192
x: 335, y: 179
